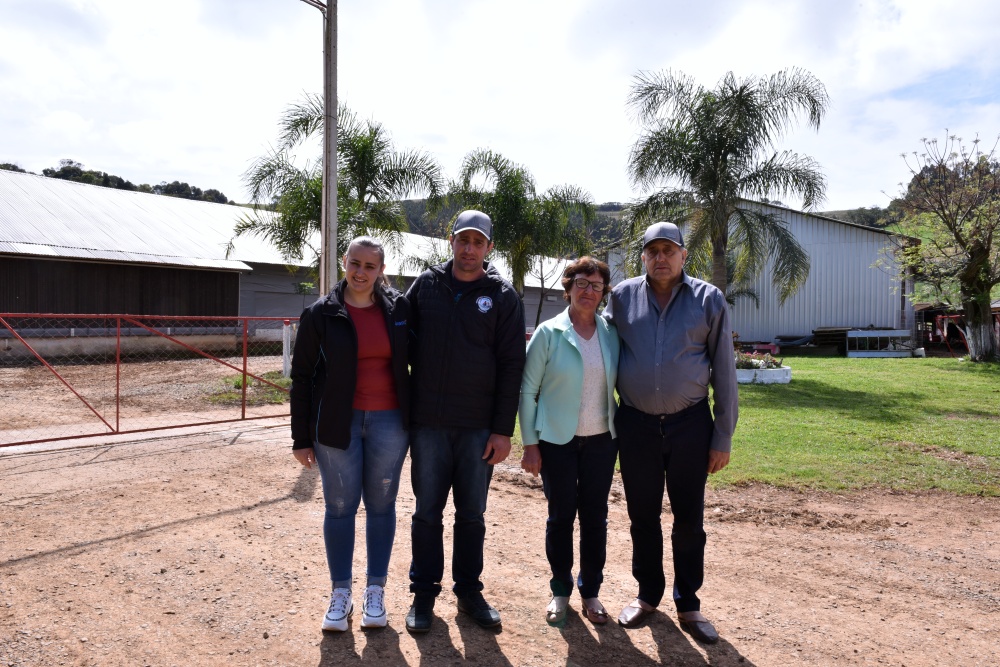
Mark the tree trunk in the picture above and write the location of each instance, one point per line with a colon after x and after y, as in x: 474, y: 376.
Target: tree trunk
x: 720, y: 244
x: 544, y: 290
x: 980, y: 332
x: 719, y: 278
x: 975, y: 290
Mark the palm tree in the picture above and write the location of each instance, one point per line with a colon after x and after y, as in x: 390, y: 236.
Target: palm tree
x: 709, y: 151
x: 526, y: 225
x: 372, y: 176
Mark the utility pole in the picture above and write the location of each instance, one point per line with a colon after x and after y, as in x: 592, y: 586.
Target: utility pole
x: 328, y: 223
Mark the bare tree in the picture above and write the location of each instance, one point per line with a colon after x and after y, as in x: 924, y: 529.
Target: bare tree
x: 952, y: 204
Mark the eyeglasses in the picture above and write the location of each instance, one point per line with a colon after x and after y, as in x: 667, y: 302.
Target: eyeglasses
x: 583, y: 284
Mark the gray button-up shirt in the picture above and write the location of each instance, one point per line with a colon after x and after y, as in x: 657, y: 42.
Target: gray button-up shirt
x: 669, y: 357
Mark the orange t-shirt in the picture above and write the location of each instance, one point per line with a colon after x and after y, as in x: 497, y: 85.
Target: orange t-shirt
x: 375, y: 388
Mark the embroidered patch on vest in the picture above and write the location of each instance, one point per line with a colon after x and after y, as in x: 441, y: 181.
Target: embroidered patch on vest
x: 484, y: 303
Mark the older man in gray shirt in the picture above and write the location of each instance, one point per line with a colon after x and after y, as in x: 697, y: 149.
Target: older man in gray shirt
x: 675, y: 340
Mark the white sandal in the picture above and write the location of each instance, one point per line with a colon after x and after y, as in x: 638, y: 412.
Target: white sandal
x: 556, y: 611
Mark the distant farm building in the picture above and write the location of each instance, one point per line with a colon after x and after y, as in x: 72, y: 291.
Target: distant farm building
x: 853, y: 283
x: 72, y: 248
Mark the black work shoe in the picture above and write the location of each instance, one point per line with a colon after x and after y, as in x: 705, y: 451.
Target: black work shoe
x: 479, y: 609
x: 421, y: 613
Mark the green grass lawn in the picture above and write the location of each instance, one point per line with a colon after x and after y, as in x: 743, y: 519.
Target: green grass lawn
x: 907, y: 424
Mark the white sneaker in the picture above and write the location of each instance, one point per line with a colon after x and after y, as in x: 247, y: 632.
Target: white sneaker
x: 341, y: 608
x: 373, y: 607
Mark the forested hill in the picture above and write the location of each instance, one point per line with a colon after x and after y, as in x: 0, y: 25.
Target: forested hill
x: 605, y: 229
x: 70, y: 170
x: 872, y: 216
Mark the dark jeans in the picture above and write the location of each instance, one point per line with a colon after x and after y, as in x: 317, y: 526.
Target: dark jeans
x: 576, y: 478
x: 448, y: 460
x: 672, y: 448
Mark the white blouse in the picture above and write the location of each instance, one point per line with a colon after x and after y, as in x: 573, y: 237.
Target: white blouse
x: 593, y: 417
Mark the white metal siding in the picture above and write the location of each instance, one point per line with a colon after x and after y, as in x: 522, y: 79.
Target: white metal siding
x: 848, y: 286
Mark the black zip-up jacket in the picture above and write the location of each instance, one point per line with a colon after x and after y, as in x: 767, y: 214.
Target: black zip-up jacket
x: 325, y: 364
x: 467, y: 352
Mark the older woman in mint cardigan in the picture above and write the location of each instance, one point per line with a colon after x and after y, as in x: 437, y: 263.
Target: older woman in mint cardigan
x: 566, y: 415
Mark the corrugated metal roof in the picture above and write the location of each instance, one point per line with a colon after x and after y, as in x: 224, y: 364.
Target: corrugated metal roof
x: 54, y: 218
x: 49, y: 217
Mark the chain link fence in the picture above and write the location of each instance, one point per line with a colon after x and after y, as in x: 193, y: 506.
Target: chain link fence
x: 73, y: 376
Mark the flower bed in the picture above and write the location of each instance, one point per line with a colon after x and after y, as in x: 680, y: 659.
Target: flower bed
x: 757, y: 368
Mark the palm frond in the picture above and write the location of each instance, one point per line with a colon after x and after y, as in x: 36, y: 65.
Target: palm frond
x: 709, y: 144
x: 734, y: 293
x: 486, y: 163
x: 300, y: 121
x: 777, y: 244
x: 793, y: 91
x: 289, y: 240
x: 658, y: 94
x: 661, y: 154
x: 410, y: 172
x: 749, y: 244
x: 273, y: 173
x: 786, y: 174
x: 698, y: 241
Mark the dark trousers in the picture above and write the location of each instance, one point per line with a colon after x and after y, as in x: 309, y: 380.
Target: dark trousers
x: 576, y: 478
x: 671, y: 448
x: 448, y: 460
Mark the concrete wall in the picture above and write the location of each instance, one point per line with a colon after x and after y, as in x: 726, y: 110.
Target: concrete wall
x: 102, y: 348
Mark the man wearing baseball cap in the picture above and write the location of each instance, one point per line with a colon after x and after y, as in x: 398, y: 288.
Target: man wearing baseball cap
x: 676, y: 340
x: 466, y: 357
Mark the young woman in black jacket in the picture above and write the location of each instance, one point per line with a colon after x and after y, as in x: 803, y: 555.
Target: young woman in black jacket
x: 350, y: 411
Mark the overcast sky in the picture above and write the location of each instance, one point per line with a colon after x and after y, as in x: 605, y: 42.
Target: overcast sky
x: 191, y: 90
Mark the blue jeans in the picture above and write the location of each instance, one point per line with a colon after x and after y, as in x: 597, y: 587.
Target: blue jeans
x: 448, y: 459
x: 369, y: 468
x: 576, y: 479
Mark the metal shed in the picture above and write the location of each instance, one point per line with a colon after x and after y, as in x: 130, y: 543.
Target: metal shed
x: 75, y: 248
x: 854, y: 282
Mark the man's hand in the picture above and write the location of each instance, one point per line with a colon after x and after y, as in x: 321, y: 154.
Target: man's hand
x: 531, y: 460
x: 497, y: 448
x: 717, y: 461
x: 306, y: 457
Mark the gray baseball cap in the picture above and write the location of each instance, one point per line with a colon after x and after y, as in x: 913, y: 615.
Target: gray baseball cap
x: 667, y: 231
x: 475, y: 220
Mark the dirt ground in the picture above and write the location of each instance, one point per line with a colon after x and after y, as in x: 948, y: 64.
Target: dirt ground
x: 204, y: 548
x: 153, y: 393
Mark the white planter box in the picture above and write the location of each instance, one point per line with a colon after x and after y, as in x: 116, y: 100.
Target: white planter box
x: 781, y: 375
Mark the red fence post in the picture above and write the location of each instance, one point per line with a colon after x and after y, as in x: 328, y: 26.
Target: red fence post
x: 118, y: 373
x: 246, y: 323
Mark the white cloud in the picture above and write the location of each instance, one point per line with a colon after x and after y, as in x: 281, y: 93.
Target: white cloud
x: 192, y: 90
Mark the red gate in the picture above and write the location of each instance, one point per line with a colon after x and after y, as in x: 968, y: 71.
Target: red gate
x: 77, y: 376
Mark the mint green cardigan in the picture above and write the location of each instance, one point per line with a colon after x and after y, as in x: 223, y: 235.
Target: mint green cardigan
x: 553, y: 377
